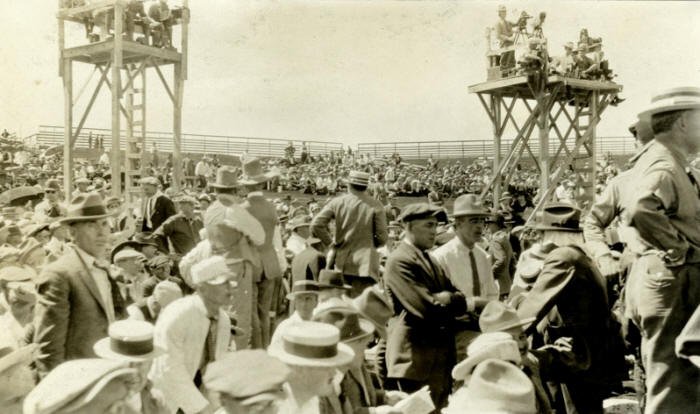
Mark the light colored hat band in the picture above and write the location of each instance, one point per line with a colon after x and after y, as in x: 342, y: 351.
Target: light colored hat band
x: 131, y: 348
x: 310, y: 351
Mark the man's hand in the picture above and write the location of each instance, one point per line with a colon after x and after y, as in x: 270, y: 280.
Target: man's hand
x: 444, y: 297
x: 609, y: 266
x: 392, y: 397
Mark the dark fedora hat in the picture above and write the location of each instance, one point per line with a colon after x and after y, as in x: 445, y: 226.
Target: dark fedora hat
x: 332, y: 279
x: 85, y: 207
x: 559, y: 217
x: 226, y: 177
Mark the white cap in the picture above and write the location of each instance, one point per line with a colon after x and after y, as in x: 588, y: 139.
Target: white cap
x: 212, y: 270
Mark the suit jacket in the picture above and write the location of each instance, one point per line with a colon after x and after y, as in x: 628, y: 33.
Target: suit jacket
x: 502, y: 257
x: 70, y: 315
x: 422, y: 331
x: 162, y: 209
x: 571, y: 290
x: 266, y: 213
x: 360, y: 228
x: 307, y: 265
x: 181, y: 330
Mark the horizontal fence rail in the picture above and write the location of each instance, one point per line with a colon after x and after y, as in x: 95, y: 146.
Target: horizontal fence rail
x: 269, y: 147
x: 49, y: 136
x: 480, y: 148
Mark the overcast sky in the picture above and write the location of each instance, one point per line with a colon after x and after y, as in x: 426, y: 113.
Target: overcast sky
x: 348, y: 71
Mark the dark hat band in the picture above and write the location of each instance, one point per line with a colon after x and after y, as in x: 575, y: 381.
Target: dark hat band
x: 88, y: 211
x: 131, y: 348
x: 310, y: 351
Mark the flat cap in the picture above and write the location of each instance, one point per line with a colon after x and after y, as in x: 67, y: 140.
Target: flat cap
x: 419, y: 211
x: 128, y: 254
x: 158, y: 260
x: 149, y: 181
x: 231, y: 375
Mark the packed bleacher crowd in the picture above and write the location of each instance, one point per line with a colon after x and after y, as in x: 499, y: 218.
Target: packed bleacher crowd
x: 229, y: 297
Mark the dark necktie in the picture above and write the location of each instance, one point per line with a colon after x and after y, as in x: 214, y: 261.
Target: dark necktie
x: 209, y: 352
x: 693, y: 181
x: 53, y: 212
x: 476, y: 285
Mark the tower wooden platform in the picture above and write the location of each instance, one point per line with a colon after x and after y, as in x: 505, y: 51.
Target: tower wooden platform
x: 122, y: 65
x: 562, y: 109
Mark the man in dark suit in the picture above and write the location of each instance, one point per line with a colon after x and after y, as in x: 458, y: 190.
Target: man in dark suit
x: 360, y: 228
x: 157, y: 208
x: 420, y: 348
x: 180, y: 233
x: 77, y: 297
x: 271, y: 251
x: 583, y: 346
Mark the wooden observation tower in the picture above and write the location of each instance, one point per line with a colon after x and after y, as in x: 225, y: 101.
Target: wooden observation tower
x: 564, y: 111
x: 122, y: 64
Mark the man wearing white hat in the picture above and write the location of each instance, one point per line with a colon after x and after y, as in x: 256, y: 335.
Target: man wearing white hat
x: 663, y: 209
x: 194, y: 331
x: 360, y: 229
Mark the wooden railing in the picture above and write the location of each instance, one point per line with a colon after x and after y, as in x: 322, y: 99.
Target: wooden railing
x: 478, y: 148
x: 270, y: 147
x: 191, y: 143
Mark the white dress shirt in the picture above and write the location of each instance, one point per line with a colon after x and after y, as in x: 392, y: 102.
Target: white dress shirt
x: 453, y: 256
x: 101, y: 278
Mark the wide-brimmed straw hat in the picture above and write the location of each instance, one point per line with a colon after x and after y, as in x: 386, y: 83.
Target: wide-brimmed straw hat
x: 128, y: 340
x: 358, y: 178
x: 345, y: 317
x: 226, y: 178
x: 85, y: 207
x: 302, y: 287
x: 312, y: 344
x: 253, y: 172
x: 373, y: 305
x: 674, y: 99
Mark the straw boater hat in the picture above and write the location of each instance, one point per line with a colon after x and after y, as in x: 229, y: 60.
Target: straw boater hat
x: 73, y: 384
x: 149, y: 181
x: 226, y: 178
x: 559, y: 217
x: 358, y: 178
x: 498, y: 345
x: 312, y: 344
x: 495, y: 387
x: 253, y: 172
x: 214, y: 270
x: 674, y: 99
x: 128, y: 340
x: 85, y: 207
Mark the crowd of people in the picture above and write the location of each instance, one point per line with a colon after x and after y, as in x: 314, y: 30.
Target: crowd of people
x: 226, y: 298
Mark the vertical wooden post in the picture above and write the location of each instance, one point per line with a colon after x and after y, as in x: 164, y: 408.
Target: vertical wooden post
x: 497, y: 134
x: 61, y: 42
x: 543, y: 126
x: 593, y: 124
x: 116, y: 158
x: 177, y: 125
x: 67, y: 71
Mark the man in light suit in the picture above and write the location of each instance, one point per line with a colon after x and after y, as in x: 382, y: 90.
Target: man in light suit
x: 158, y: 206
x: 194, y: 331
x: 271, y: 251
x: 420, y: 347
x: 77, y: 297
x: 360, y: 229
